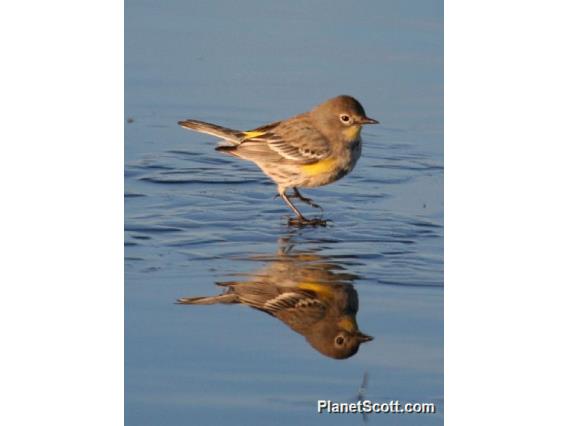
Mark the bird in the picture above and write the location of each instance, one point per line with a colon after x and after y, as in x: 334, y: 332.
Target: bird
x: 309, y: 150
x: 309, y: 294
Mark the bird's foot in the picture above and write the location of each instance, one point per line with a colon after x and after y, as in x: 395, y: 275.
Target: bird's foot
x: 302, y: 221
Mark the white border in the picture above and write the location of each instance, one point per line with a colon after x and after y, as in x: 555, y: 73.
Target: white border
x: 505, y: 209
x: 62, y: 213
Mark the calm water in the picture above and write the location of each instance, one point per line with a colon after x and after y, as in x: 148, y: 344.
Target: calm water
x: 195, y: 217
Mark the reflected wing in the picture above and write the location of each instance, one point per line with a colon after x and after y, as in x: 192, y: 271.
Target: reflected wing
x: 299, y: 310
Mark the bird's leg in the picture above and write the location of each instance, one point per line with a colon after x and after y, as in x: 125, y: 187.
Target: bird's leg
x: 306, y: 199
x: 300, y: 219
x: 282, y: 193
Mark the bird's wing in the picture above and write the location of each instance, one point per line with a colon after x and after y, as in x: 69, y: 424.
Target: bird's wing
x: 299, y: 310
x: 294, y: 140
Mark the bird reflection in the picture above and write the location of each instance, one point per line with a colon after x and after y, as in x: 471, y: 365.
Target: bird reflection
x: 306, y: 291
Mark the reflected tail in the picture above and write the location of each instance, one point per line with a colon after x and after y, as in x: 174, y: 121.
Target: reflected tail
x: 209, y: 300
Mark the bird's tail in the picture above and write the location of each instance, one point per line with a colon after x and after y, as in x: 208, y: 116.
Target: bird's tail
x: 209, y: 300
x: 232, y: 136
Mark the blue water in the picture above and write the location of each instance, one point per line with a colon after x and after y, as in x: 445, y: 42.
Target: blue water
x: 195, y: 217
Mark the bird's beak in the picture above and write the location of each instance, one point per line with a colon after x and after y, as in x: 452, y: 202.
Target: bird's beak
x: 363, y: 337
x: 367, y: 120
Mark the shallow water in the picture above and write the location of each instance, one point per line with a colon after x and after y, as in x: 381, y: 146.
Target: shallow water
x: 195, y: 217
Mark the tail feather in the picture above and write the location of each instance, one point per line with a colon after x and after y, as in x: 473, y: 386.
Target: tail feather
x: 230, y: 135
x: 209, y: 300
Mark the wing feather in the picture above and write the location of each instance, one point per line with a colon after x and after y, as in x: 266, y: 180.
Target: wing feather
x: 293, y: 140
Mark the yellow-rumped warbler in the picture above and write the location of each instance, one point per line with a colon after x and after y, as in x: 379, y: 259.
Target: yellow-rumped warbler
x: 307, y: 294
x: 309, y: 150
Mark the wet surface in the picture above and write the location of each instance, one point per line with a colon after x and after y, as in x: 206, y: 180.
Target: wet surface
x: 195, y: 217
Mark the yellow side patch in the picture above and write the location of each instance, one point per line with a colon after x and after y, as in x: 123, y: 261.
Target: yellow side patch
x: 253, y: 134
x: 323, y: 166
x: 347, y: 323
x: 352, y: 133
x: 320, y: 289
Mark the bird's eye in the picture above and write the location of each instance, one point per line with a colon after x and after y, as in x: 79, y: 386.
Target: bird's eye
x: 339, y: 340
x: 345, y: 118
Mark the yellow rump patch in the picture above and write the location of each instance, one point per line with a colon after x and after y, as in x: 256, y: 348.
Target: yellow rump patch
x: 253, y: 134
x: 323, y: 166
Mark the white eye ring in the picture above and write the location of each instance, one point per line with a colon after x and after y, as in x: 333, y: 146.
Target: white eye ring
x: 345, y: 119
